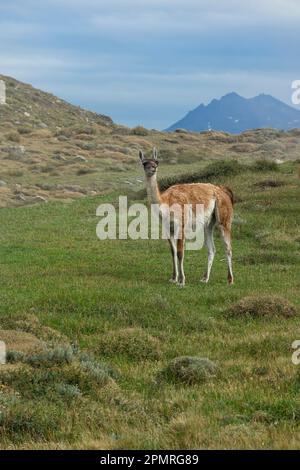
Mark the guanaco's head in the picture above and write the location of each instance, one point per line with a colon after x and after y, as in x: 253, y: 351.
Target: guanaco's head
x: 150, y: 164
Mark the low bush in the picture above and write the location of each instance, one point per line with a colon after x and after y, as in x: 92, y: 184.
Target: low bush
x: 139, y: 130
x: 263, y: 164
x: 213, y: 172
x: 189, y: 370
x: 134, y: 343
x: 262, y: 306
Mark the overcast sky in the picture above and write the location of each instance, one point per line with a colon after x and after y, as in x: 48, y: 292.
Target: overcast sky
x: 150, y: 61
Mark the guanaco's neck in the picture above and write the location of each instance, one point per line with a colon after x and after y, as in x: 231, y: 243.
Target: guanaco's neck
x: 152, y: 189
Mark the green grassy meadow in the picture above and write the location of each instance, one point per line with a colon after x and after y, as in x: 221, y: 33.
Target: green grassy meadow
x: 118, y: 322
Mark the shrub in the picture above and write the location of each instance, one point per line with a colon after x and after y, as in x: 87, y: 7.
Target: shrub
x: 224, y: 137
x: 56, y: 356
x: 217, y: 172
x: 86, y: 145
x: 189, y: 370
x: 85, y: 171
x: 98, y: 371
x: 167, y: 155
x: 16, y: 173
x: 262, y: 306
x: 67, y: 390
x: 212, y: 172
x: 265, y: 184
x: 24, y: 130
x: 26, y: 421
x: 263, y: 164
x: 134, y: 343
x: 14, y: 356
x: 139, y: 130
x: 46, y: 169
x: 181, y: 131
x: 65, y: 132
x: 88, y: 130
x: 13, y: 137
x: 85, y: 137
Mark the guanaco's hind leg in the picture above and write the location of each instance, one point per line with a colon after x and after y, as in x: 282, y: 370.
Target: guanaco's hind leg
x: 180, y: 256
x: 210, y: 245
x: 173, y: 246
x: 226, y: 235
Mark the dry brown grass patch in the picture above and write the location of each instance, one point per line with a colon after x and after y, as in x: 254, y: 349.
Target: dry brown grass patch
x: 30, y: 324
x: 21, y: 342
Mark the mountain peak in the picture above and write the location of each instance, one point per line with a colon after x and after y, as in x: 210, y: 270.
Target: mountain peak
x: 233, y: 113
x: 232, y: 94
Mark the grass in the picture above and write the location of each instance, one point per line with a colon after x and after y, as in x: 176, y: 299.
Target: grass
x: 114, y: 325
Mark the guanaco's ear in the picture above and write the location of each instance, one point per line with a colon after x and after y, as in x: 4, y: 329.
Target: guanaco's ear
x: 142, y: 156
x: 155, y: 153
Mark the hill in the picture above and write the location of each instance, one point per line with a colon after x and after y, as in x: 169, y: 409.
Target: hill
x: 235, y: 114
x: 28, y: 106
x: 51, y: 150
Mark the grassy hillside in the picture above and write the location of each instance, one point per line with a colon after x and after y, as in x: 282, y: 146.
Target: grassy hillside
x: 92, y: 326
x: 51, y: 150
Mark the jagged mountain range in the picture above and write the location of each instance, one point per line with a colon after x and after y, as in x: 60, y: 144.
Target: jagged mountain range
x: 234, y: 113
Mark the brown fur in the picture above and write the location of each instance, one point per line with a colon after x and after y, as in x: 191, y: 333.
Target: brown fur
x: 198, y: 193
x: 202, y: 193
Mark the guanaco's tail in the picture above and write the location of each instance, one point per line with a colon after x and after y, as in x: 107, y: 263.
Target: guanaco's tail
x: 229, y: 193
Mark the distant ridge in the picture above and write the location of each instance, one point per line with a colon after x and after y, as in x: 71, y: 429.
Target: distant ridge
x: 234, y: 113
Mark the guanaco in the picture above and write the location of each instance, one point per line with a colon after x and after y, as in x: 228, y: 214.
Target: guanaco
x: 217, y: 202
